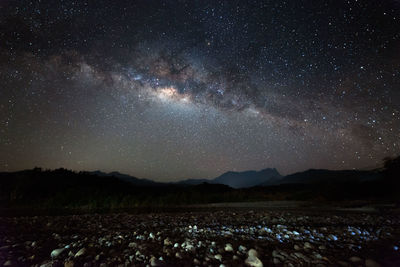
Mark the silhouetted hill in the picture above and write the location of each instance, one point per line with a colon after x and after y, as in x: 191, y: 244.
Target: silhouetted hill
x: 240, y: 179
x: 128, y: 178
x: 248, y: 178
x: 61, y: 188
x: 327, y: 177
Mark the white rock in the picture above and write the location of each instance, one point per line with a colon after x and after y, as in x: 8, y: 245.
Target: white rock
x: 178, y: 255
x: 228, y: 247
x: 55, y: 253
x: 242, y: 248
x: 218, y: 257
x: 167, y: 242
x: 252, y: 259
x: 81, y: 252
x: 154, y: 261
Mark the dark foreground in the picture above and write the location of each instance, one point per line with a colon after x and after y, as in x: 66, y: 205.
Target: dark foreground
x: 229, y: 237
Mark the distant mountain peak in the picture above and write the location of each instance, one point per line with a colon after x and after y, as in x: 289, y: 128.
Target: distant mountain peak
x: 241, y: 179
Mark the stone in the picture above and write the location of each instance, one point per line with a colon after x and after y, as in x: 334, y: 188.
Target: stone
x: 81, y: 252
x: 167, y: 242
x: 8, y: 263
x: 355, y: 259
x: 69, y: 264
x: 228, y: 247
x: 218, y: 257
x: 308, y: 245
x: 178, y: 255
x: 132, y: 245
x: 55, y: 253
x: 242, y: 249
x: 252, y: 259
x: 154, y: 261
x: 371, y: 263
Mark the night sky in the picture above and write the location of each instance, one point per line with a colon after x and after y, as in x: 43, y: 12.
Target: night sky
x: 190, y: 89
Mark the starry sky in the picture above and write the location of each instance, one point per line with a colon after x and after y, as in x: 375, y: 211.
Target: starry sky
x: 168, y: 90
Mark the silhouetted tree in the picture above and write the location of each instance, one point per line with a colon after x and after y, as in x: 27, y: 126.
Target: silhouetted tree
x: 392, y: 168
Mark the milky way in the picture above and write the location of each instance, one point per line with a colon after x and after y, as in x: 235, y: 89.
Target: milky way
x: 177, y: 89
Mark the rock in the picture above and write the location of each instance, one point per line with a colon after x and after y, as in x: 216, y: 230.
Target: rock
x: 276, y: 261
x: 296, y: 247
x: 196, y: 261
x: 218, y: 257
x: 55, y: 253
x: 228, y: 248
x: 178, y: 255
x: 132, y: 245
x: 252, y: 259
x: 69, y: 264
x: 8, y: 263
x: 355, y: 259
x: 333, y: 237
x: 81, y: 252
x: 235, y: 257
x: 307, y: 245
x: 167, y: 242
x: 322, y: 247
x: 371, y: 263
x: 242, y: 249
x: 154, y: 261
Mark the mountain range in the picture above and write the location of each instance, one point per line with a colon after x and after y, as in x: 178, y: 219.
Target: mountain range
x: 265, y: 177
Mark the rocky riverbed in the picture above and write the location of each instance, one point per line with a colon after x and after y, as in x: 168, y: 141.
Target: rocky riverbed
x: 219, y: 238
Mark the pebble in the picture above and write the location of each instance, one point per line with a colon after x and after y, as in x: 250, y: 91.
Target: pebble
x: 178, y: 255
x: 167, y: 242
x: 252, y: 259
x: 8, y: 263
x: 81, y: 252
x: 154, y: 261
x: 371, y: 263
x: 308, y: 245
x: 218, y: 257
x: 228, y: 247
x: 132, y: 245
x: 355, y: 259
x: 55, y: 253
